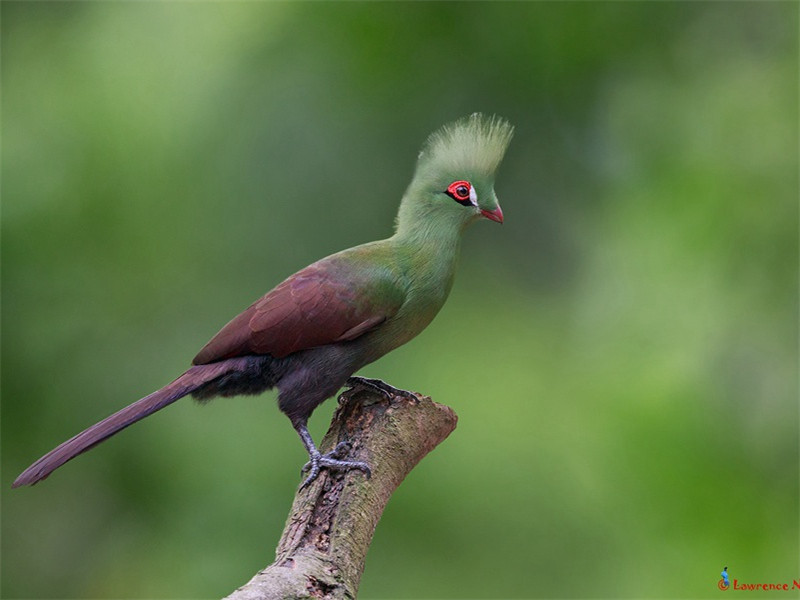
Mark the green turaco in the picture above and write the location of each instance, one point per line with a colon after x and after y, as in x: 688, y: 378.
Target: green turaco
x: 310, y: 334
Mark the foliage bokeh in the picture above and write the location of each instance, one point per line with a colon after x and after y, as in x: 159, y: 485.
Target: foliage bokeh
x: 622, y: 353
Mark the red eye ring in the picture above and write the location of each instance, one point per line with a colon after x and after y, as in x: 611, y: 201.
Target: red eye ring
x: 459, y: 191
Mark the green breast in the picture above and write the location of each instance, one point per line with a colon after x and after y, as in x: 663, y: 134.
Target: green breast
x: 425, y: 273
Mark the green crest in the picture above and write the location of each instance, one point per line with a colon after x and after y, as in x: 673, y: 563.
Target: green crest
x: 476, y: 143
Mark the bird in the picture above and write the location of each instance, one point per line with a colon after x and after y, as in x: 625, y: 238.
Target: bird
x: 309, y: 335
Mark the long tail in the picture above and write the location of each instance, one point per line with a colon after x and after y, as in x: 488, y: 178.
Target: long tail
x: 192, y: 379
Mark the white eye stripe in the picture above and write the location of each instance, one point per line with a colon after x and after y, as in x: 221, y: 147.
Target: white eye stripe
x: 473, y: 195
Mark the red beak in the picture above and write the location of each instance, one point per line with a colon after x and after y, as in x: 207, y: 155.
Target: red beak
x: 494, y: 215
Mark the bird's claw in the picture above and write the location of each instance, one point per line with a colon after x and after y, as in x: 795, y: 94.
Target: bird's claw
x: 381, y: 387
x: 341, y: 450
x: 332, y: 460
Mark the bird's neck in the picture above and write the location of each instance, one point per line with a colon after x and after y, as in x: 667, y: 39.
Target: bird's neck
x: 429, y: 235
x: 434, y: 247
x: 417, y: 227
x: 431, y: 246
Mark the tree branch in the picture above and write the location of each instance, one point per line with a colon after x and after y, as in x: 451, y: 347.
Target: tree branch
x: 322, y: 550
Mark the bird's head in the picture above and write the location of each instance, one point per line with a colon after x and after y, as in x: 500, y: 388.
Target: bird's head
x: 454, y: 180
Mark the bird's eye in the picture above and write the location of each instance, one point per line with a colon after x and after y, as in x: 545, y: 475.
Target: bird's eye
x: 459, y: 191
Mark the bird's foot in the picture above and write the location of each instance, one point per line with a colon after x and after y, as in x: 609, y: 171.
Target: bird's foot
x: 332, y: 460
x: 380, y: 386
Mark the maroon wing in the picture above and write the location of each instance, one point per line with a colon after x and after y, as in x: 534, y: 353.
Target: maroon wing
x: 327, y: 302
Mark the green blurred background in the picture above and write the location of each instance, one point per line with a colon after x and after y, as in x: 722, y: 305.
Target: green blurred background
x: 622, y: 353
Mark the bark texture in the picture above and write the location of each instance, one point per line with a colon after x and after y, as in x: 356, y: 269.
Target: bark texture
x: 322, y: 550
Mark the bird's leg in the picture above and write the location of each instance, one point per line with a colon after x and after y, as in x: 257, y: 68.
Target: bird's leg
x: 380, y: 386
x: 330, y: 460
